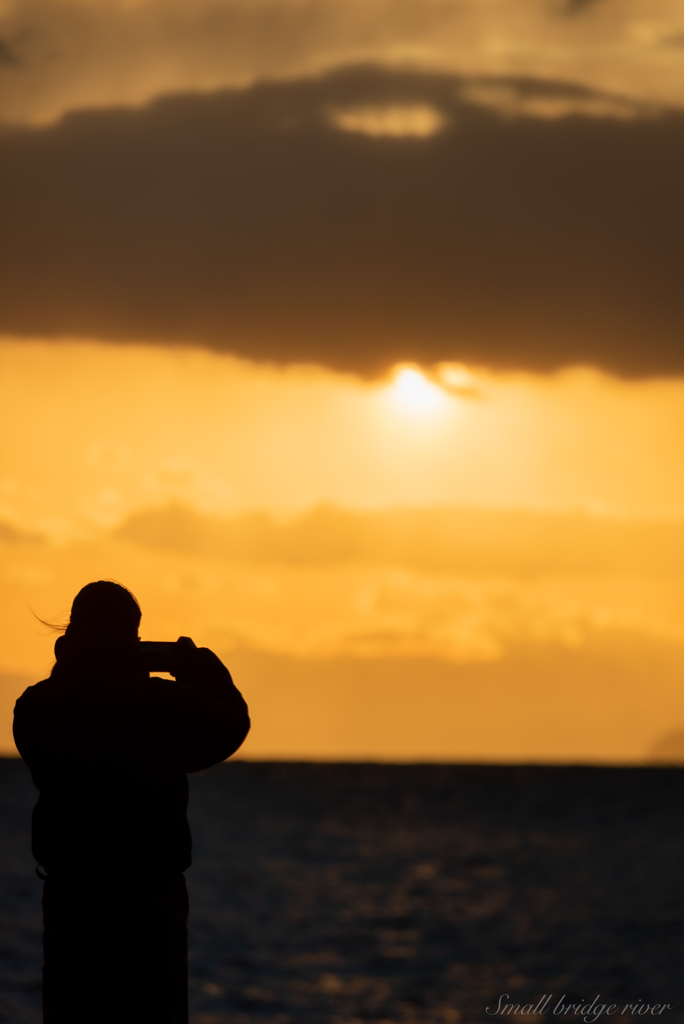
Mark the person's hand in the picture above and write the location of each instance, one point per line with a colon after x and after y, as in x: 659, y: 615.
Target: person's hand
x: 185, y: 656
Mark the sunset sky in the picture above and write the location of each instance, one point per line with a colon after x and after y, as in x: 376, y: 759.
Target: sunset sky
x: 349, y: 337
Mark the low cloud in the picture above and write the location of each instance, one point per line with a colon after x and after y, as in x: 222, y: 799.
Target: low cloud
x: 442, y: 540
x: 534, y: 225
x: 11, y: 535
x: 463, y: 586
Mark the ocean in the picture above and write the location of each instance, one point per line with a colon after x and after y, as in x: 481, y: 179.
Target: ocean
x: 406, y: 894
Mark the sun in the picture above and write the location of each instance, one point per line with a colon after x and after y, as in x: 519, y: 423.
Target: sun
x: 413, y: 394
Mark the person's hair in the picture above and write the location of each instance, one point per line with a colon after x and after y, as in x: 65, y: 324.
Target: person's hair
x: 102, y: 635
x: 104, y: 607
x: 98, y: 604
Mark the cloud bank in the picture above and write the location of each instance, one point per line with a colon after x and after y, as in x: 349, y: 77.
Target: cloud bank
x: 532, y: 225
x: 462, y: 585
x: 463, y: 540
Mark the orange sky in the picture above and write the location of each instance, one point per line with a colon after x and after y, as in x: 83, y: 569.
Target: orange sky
x: 531, y: 606
x: 99, y: 432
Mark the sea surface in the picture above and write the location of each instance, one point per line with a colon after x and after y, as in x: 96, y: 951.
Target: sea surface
x: 406, y: 894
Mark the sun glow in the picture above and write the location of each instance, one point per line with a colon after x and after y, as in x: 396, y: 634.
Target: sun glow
x: 412, y: 393
x: 398, y: 121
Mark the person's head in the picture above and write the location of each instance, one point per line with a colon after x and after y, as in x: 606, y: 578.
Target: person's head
x: 105, y: 608
x: 104, y: 618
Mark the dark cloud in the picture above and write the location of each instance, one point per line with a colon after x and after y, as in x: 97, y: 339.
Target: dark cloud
x: 247, y: 222
x: 577, y: 6
x: 8, y: 54
x: 461, y: 540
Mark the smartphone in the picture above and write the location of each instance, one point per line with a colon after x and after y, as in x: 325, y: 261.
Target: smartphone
x: 159, y: 655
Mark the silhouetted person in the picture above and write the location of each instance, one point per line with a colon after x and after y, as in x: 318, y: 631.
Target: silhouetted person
x: 108, y: 747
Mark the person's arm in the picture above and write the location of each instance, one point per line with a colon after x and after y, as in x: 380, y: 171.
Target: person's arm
x: 217, y: 717
x: 135, y: 722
